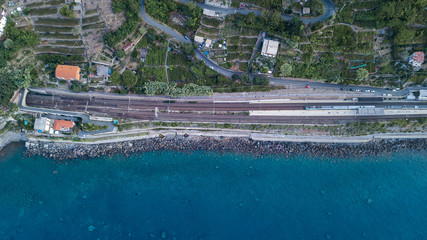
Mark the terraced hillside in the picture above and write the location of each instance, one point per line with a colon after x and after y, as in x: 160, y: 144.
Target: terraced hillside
x: 58, y: 34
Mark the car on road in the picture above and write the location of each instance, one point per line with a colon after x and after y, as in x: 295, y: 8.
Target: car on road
x: 186, y: 38
x: 307, y: 86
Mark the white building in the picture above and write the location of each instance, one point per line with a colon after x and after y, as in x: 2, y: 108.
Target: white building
x: 209, y: 13
x: 423, y: 95
x: 42, y: 124
x: 270, y: 48
x: 209, y: 43
x: 198, y: 40
x: 219, y: 3
x: 3, y: 20
x: 305, y: 11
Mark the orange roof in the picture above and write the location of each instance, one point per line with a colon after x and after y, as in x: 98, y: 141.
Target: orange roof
x: 62, y: 125
x: 67, y: 72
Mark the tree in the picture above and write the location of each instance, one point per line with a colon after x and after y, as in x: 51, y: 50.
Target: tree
x: 285, y: 70
x: 120, y: 53
x: 188, y: 48
x: 362, y: 74
x: 128, y: 79
x: 8, y: 43
x: 115, y: 78
x: 66, y: 11
x: 261, y: 81
x: 135, y: 54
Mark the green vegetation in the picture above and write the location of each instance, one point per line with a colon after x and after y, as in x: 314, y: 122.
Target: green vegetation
x: 11, y: 80
x: 90, y: 127
x: 56, y: 21
x: 53, y: 29
x: 170, y: 89
x: 161, y: 10
x: 66, y: 11
x: 156, y: 56
x: 131, y: 9
x: 42, y: 11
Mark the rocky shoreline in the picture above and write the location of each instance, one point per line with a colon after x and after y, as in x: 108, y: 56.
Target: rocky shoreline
x: 63, y: 151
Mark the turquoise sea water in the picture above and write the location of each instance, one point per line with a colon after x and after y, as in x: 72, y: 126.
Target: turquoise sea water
x: 207, y: 195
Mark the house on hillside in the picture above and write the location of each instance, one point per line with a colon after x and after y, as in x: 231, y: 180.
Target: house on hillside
x: 63, y: 126
x: 127, y: 46
x: 3, y: 20
x: 218, y: 3
x: 67, y: 72
x: 416, y: 60
x: 305, y: 11
x: 270, y: 48
x: 423, y: 95
x: 102, y: 71
x: 199, y: 40
x: 209, y: 13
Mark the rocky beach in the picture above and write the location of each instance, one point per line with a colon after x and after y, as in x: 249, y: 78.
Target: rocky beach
x: 63, y: 151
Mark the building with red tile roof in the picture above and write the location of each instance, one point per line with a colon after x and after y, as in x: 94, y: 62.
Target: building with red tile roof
x: 67, y: 72
x: 127, y: 46
x: 63, y: 125
x: 416, y: 60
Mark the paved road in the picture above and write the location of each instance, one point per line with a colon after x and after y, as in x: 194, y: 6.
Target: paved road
x: 330, y: 9
x: 181, y: 38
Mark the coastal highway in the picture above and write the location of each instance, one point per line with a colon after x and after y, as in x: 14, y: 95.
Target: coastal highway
x: 201, y: 110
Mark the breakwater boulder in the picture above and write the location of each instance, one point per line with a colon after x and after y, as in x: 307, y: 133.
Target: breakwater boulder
x: 63, y: 151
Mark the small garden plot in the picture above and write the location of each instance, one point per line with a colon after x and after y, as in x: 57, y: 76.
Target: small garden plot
x: 94, y: 26
x: 365, y: 42
x: 250, y: 32
x: 345, y: 15
x: 206, y: 30
x: 67, y: 43
x: 92, y: 11
x: 248, y: 41
x: 233, y: 56
x: 178, y: 59
x: 52, y: 29
x: 212, y: 22
x: 155, y: 73
x: 67, y: 51
x: 156, y: 56
x: 55, y: 2
x: 56, y: 21
x: 36, y: 4
x: 243, y: 67
x: 229, y: 30
x: 365, y: 5
x: 58, y: 36
x: 89, y: 20
x: 365, y: 19
x: 343, y: 40
x: 244, y: 56
x: 233, y: 49
x: 235, y: 40
x: 246, y: 49
x: 42, y: 11
x: 180, y: 74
